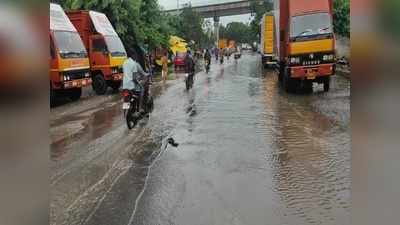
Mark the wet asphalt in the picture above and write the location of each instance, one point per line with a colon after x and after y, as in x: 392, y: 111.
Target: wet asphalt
x: 247, y: 153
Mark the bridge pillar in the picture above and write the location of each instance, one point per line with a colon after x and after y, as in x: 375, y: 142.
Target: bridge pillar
x: 216, y: 29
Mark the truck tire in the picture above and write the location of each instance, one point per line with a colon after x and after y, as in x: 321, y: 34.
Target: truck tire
x: 99, y: 84
x: 280, y: 73
x: 327, y: 84
x: 307, y: 86
x: 75, y: 94
x: 53, y: 96
x: 115, y: 85
x: 289, y: 84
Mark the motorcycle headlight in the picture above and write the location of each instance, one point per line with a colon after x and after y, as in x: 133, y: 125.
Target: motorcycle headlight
x: 87, y: 74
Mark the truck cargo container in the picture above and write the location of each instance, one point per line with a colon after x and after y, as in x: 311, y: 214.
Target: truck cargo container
x: 106, y: 51
x: 267, y: 44
x: 306, y: 46
x: 69, y: 62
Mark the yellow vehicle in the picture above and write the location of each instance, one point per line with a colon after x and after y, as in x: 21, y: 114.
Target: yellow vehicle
x: 69, y: 62
x: 222, y: 43
x: 267, y: 45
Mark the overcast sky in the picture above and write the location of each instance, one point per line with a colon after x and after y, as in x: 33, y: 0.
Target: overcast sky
x: 172, y: 4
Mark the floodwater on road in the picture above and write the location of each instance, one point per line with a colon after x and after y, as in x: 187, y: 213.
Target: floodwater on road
x: 248, y: 154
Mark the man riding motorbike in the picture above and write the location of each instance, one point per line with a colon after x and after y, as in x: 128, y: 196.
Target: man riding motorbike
x: 207, y: 59
x: 134, y: 77
x: 189, y: 68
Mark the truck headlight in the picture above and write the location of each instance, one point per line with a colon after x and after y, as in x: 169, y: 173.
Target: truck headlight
x: 328, y: 57
x: 295, y: 60
x: 67, y: 78
x: 87, y: 74
x: 114, y: 70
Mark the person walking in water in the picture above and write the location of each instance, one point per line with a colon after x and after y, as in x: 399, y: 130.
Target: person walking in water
x: 164, y: 64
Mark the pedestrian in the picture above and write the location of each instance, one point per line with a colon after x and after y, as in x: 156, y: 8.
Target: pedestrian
x: 164, y: 64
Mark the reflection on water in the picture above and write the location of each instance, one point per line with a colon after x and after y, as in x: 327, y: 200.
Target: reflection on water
x: 311, y: 158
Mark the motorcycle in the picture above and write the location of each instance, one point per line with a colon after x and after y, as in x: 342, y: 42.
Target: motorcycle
x: 131, y: 105
x: 189, y: 80
x: 207, y: 63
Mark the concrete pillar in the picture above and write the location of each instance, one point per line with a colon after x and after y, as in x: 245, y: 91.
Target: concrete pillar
x: 216, y: 29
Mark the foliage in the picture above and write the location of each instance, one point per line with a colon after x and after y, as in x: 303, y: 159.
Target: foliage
x: 190, y: 26
x: 259, y: 9
x: 341, y: 17
x: 240, y: 32
x: 136, y: 21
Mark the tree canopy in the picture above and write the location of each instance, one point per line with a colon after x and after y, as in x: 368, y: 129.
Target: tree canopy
x: 240, y: 32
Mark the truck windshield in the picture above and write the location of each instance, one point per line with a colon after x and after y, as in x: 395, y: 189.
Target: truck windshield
x: 310, y: 25
x: 115, y: 46
x: 69, y: 44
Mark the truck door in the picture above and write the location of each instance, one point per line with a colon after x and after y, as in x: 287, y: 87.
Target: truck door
x: 99, y: 55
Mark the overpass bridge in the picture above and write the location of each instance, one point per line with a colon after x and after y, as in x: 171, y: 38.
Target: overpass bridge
x: 218, y: 10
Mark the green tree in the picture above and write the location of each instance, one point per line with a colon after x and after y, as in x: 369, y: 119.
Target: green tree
x: 341, y: 17
x: 136, y: 21
x: 190, y: 26
x: 259, y: 8
x: 240, y: 32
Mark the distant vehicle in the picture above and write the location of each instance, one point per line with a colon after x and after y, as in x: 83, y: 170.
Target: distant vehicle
x: 222, y: 43
x: 306, y: 46
x: 179, y: 61
x: 106, y: 51
x: 268, y: 45
x: 69, y: 62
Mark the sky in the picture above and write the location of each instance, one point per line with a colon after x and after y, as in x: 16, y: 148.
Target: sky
x: 172, y: 4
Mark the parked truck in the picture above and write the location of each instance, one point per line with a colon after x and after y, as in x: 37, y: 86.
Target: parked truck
x: 106, y: 51
x: 267, y: 43
x: 68, y: 62
x: 306, y: 46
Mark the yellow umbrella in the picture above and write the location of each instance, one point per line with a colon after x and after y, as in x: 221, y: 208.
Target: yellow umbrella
x: 177, y: 44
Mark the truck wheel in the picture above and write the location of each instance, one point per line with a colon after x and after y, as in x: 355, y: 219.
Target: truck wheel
x: 280, y: 73
x: 99, y: 84
x: 75, y: 94
x: 288, y: 82
x: 307, y: 86
x: 115, y: 85
x: 327, y: 83
x: 53, y: 96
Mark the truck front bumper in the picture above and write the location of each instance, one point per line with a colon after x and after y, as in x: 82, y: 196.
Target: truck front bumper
x: 311, y: 72
x: 78, y: 83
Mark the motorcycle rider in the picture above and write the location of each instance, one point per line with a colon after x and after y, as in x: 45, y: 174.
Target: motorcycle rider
x: 134, y: 76
x: 189, y: 65
x: 207, y: 58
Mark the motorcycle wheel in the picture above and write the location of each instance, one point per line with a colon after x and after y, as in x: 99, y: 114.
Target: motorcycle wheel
x: 131, y: 118
x: 187, y: 84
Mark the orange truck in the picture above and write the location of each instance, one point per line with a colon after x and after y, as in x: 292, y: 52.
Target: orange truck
x: 69, y: 62
x: 306, y: 43
x: 106, y: 51
x: 268, y: 45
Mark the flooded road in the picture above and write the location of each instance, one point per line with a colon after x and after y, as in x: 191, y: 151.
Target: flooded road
x: 248, y: 154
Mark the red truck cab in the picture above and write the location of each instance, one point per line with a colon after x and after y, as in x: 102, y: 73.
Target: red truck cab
x: 106, y: 51
x: 306, y: 42
x: 69, y: 63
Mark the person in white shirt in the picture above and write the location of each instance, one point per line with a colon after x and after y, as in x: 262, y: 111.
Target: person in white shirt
x: 133, y: 76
